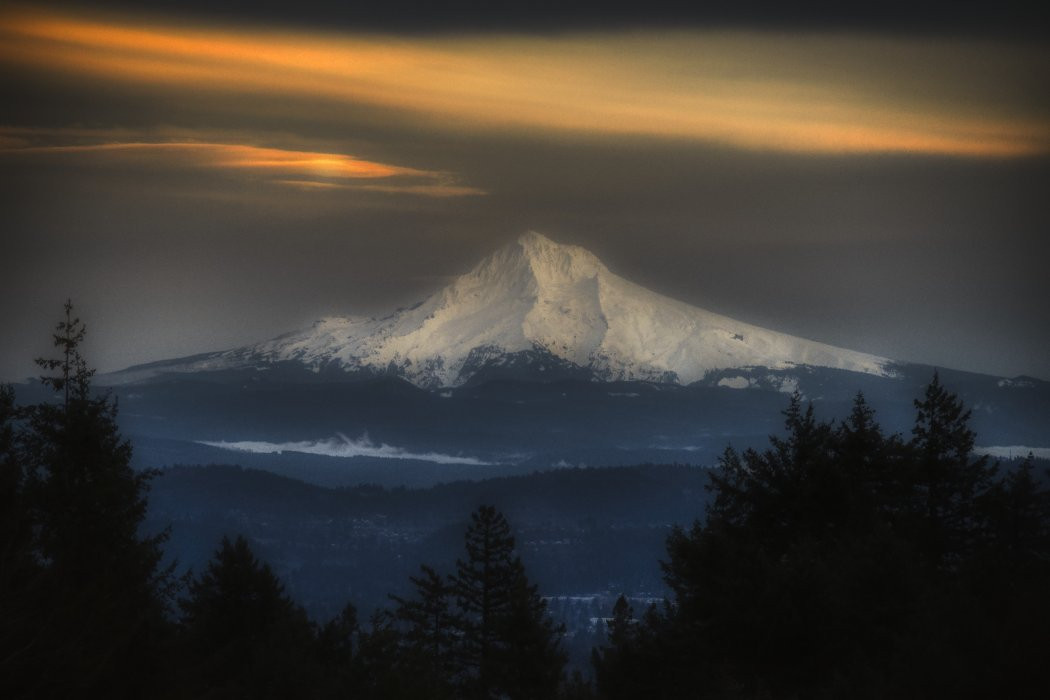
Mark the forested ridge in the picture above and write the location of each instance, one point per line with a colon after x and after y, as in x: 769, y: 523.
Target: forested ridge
x: 839, y: 561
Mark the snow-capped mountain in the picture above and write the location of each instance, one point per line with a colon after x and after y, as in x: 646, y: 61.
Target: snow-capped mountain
x: 545, y: 304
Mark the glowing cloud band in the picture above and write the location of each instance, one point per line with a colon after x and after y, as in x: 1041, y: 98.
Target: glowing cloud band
x: 301, y: 169
x: 813, y: 94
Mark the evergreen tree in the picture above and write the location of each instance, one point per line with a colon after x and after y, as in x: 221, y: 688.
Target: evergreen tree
x: 621, y: 626
x: 791, y: 486
x: 1019, y: 514
x: 872, y: 463
x: 645, y: 658
x: 383, y: 674
x: 947, y: 481
x: 1012, y: 568
x: 98, y: 597
x: 430, y: 639
x: 14, y: 529
x: 244, y: 637
x: 338, y: 653
x: 534, y: 663
x: 616, y: 664
x: 509, y: 646
x: 20, y: 571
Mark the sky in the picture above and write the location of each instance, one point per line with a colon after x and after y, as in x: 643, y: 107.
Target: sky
x: 197, y: 178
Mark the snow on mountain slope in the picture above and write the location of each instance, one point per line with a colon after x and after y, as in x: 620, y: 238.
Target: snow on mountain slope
x: 538, y: 295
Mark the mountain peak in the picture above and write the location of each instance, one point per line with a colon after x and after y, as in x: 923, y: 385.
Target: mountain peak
x: 535, y: 244
x: 535, y: 295
x: 558, y: 263
x: 534, y: 238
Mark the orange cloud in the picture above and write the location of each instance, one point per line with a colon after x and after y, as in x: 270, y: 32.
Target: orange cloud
x: 813, y: 94
x: 303, y: 169
x: 422, y: 190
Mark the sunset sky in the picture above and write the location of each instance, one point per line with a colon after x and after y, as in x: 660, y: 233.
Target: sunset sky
x: 197, y: 180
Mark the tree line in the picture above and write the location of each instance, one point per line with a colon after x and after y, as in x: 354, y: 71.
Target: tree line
x: 840, y: 561
x: 845, y: 562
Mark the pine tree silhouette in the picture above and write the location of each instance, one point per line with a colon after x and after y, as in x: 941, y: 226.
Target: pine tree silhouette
x: 430, y: 640
x: 244, y: 636
x: 509, y: 647
x: 947, y: 479
x: 337, y: 650
x: 20, y: 570
x: 98, y: 595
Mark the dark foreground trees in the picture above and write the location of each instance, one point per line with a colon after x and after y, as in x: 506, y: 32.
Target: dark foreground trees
x: 842, y: 562
x: 83, y: 598
x: 484, y: 631
x: 509, y: 647
x: 241, y: 636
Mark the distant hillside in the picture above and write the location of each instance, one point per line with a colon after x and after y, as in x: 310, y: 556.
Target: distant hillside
x: 579, y: 530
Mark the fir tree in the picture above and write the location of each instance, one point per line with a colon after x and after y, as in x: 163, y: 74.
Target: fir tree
x: 244, y: 636
x: 1019, y: 514
x: 98, y: 594
x: 430, y: 639
x: 947, y: 480
x: 872, y: 463
x: 621, y: 626
x: 383, y: 675
x: 509, y: 646
x: 20, y: 570
x: 534, y: 663
x: 615, y: 663
x: 337, y: 651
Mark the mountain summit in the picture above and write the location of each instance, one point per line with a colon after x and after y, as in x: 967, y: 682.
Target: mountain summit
x: 542, y: 304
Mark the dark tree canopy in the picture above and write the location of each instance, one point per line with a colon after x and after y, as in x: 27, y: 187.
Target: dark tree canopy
x: 84, y: 598
x: 482, y: 632
x: 430, y: 642
x: 947, y: 478
x: 844, y: 562
x: 245, y: 637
